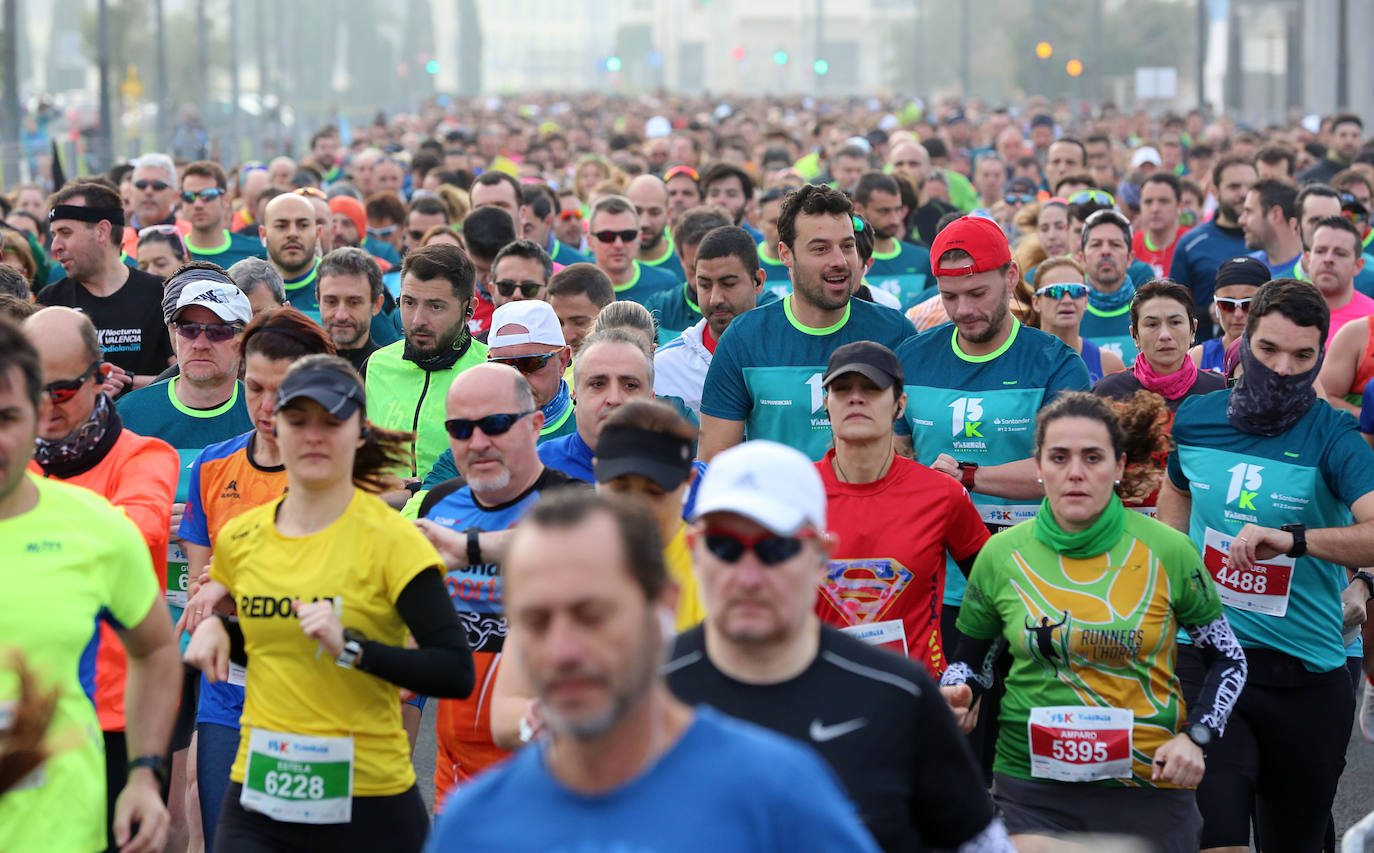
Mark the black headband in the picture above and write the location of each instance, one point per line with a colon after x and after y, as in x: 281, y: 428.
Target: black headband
x: 81, y: 213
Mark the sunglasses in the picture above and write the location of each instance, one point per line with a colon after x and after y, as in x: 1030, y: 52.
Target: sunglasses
x: 383, y: 232
x: 1063, y: 291
x: 681, y: 170
x: 209, y: 194
x: 526, y: 364
x: 216, y: 333
x: 64, y: 389
x: 157, y: 186
x: 491, y: 425
x: 1094, y: 196
x: 164, y: 228
x: 771, y: 550
x: 1227, y: 305
x: 1354, y: 216
x: 608, y: 237
x: 1023, y: 198
x: 528, y: 289
x: 565, y: 215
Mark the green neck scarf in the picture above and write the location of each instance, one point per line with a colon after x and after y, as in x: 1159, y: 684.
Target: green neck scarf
x: 1087, y: 543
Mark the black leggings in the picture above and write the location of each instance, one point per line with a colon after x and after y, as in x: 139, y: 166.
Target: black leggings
x: 396, y: 824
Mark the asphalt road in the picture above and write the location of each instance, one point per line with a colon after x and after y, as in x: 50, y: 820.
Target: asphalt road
x: 1354, y: 799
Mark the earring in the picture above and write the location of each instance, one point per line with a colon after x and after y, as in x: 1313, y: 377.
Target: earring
x: 1040, y: 481
x: 1118, y: 482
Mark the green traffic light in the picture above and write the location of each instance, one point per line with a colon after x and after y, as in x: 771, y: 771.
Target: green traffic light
x: 821, y: 66
x: 613, y: 64
x: 432, y: 66
x: 780, y: 57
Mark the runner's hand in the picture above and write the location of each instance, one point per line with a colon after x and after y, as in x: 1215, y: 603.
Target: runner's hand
x: 451, y: 545
x: 321, y: 624
x: 1179, y: 762
x: 202, y: 604
x: 961, y: 704
x: 532, y: 724
x: 209, y: 650
x: 140, y: 803
x: 945, y: 464
x: 116, y: 379
x: 178, y: 510
x: 1353, y: 601
x: 1258, y: 543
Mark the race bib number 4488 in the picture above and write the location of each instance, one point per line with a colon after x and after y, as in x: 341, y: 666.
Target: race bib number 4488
x: 1263, y: 588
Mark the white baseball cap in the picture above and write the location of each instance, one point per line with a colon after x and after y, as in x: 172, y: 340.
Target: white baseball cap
x: 226, y: 300
x: 769, y: 483
x: 1145, y: 154
x: 525, y: 321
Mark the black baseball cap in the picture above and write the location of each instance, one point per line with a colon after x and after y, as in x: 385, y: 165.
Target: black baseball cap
x: 1242, y: 270
x: 1042, y: 120
x: 339, y: 393
x: 866, y: 358
x: 662, y: 458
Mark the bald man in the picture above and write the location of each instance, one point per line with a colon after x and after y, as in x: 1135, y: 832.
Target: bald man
x: 291, y: 230
x: 500, y: 479
x: 649, y: 195
x: 82, y: 441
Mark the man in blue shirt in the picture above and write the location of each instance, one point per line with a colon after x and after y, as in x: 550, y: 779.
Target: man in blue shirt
x: 1276, y: 489
x: 624, y: 765
x: 1207, y: 246
x: 1269, y: 219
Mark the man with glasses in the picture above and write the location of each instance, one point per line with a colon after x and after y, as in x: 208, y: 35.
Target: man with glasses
x: 291, y: 231
x: 1206, y: 246
x: 205, y: 202
x: 82, y: 441
x: 683, y: 191
x: 154, y: 181
x: 125, y: 305
x: 520, y: 271
x: 493, y: 423
x: 614, y: 239
x: 758, y: 544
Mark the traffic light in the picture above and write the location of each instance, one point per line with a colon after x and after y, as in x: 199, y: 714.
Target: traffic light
x: 1044, y: 50
x: 737, y: 53
x: 821, y: 66
x: 1074, y: 67
x: 780, y: 57
x: 613, y: 63
x: 432, y: 66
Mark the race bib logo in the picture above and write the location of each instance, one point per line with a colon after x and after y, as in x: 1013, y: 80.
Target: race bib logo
x: 1245, y: 485
x: 967, y: 417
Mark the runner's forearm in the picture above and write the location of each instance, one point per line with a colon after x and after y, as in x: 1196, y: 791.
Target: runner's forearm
x: 442, y: 665
x: 1011, y: 480
x: 971, y: 664
x: 1226, y: 672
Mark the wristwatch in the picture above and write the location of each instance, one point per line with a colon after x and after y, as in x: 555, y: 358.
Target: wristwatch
x: 1368, y: 579
x: 153, y: 763
x: 474, y: 546
x: 353, y: 648
x: 1299, y: 532
x: 967, y: 470
x: 1199, y: 734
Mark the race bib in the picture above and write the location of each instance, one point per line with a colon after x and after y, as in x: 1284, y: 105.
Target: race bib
x: 889, y: 634
x: 1263, y: 588
x: 178, y: 574
x: 299, y: 779
x: 35, y: 777
x: 1001, y: 516
x: 1073, y: 743
x: 238, y: 675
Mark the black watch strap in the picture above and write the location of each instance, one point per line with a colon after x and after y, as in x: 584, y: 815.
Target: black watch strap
x: 1368, y: 579
x: 1299, y: 532
x: 474, y: 546
x: 154, y: 763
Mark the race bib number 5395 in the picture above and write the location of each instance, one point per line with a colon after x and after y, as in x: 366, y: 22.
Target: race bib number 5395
x: 1075, y: 743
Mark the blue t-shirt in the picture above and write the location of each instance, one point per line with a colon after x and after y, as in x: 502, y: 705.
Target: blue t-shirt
x: 724, y: 786
x: 569, y: 454
x: 646, y: 282
x: 1283, y: 269
x: 1213, y: 356
x: 1367, y: 409
x: 1092, y: 359
x: 560, y: 419
x: 982, y: 408
x: 1311, y: 473
x: 1196, y: 257
x: 904, y: 273
x: 767, y: 370
x: 233, y: 249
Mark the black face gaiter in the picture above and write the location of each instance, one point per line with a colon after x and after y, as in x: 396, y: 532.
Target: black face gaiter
x: 1265, y: 403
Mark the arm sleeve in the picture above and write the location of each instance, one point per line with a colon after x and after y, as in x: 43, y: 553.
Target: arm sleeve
x: 724, y: 394
x: 950, y: 802
x: 972, y: 664
x: 442, y: 665
x: 1226, y: 673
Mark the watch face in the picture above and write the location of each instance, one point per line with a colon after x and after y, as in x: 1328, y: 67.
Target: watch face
x: 1200, y: 735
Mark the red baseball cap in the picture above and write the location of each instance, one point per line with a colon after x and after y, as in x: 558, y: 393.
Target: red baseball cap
x: 980, y: 237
